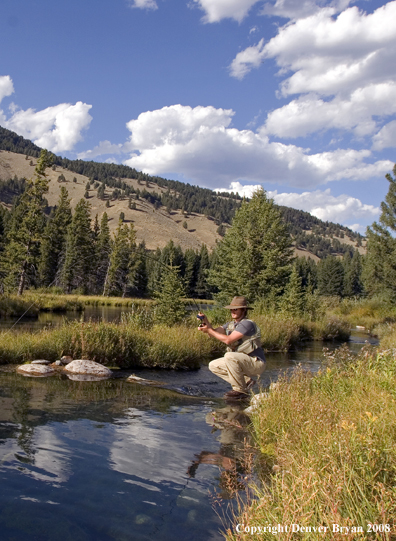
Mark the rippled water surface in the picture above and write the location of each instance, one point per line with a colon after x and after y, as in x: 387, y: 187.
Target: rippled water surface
x: 112, y: 460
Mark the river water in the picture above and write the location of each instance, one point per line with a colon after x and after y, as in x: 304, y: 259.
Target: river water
x: 112, y: 460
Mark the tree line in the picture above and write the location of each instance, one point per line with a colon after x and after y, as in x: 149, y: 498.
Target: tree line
x: 255, y: 257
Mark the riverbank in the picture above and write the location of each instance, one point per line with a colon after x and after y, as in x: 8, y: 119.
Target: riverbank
x: 138, y: 342
x: 33, y: 302
x: 327, y: 452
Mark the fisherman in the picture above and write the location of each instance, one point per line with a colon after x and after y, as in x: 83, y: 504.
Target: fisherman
x: 245, y: 357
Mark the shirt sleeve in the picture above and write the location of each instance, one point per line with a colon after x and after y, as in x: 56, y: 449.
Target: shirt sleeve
x: 246, y: 327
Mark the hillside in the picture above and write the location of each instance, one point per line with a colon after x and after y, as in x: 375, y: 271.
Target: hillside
x: 161, y: 209
x: 154, y: 226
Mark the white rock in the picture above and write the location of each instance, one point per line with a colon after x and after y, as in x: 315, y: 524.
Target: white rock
x: 35, y: 370
x: 41, y: 361
x: 82, y: 366
x: 85, y: 377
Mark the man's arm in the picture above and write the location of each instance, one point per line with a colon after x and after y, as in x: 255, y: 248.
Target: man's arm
x: 220, y: 334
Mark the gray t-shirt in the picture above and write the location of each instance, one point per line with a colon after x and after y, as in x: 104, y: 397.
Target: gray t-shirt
x: 247, y: 328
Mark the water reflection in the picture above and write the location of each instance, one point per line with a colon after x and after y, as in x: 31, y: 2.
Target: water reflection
x: 108, y: 468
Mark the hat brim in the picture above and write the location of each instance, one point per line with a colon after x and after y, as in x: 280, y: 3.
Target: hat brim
x: 230, y: 307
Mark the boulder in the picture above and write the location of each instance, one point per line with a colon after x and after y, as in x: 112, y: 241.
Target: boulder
x: 66, y: 359
x: 41, y: 361
x: 36, y: 370
x: 92, y: 368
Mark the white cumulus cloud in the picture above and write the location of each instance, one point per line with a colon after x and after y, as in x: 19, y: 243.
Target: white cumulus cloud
x: 247, y: 59
x: 6, y: 86
x: 104, y: 147
x: 329, y: 55
x: 357, y: 113
x: 386, y: 137
x: 143, y: 4
x: 216, y: 10
x: 299, y: 9
x: 57, y: 128
x: 200, y: 144
x: 342, y: 209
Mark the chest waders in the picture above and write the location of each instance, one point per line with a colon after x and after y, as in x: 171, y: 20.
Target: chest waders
x: 246, y: 344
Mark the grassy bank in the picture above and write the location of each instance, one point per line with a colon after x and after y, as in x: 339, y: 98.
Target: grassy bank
x: 137, y: 341
x: 124, y: 345
x: 33, y: 302
x: 328, y: 445
x: 368, y: 313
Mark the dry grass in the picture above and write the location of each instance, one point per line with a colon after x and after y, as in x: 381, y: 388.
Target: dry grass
x: 330, y: 440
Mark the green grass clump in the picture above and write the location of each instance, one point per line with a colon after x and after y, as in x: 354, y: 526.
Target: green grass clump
x: 366, y: 312
x: 13, y: 306
x: 125, y: 345
x: 329, y: 441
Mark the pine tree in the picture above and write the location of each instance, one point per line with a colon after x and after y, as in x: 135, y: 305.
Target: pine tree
x: 379, y: 273
x: 202, y: 288
x: 103, y: 251
x: 192, y: 261
x: 122, y: 261
x: 353, y: 286
x: 139, y: 288
x: 254, y: 257
x: 54, y: 240
x: 79, y: 264
x: 27, y: 225
x: 170, y: 307
x: 292, y: 301
x: 330, y: 276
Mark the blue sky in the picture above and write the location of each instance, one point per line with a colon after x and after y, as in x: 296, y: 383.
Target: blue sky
x: 296, y: 96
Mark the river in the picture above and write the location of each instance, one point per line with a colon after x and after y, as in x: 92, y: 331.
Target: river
x: 111, y: 460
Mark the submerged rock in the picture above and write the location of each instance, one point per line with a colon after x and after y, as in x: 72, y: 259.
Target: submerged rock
x: 41, y: 361
x: 143, y: 381
x: 92, y: 368
x: 86, y: 377
x: 35, y: 370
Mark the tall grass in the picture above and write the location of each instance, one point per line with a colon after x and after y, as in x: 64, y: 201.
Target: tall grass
x: 125, y: 345
x: 365, y: 312
x: 330, y: 443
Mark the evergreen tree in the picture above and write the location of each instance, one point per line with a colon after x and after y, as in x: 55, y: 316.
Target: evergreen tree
x: 353, y: 286
x: 170, y: 307
x: 254, y: 257
x: 192, y: 261
x: 154, y: 271
x: 79, y: 264
x: 308, y: 272
x: 202, y: 288
x: 122, y: 268
x: 103, y: 251
x: 54, y: 240
x: 27, y: 225
x: 330, y: 276
x: 379, y: 273
x: 139, y: 288
x: 292, y: 301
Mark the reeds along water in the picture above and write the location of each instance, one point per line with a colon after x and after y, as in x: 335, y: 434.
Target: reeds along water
x: 329, y: 444
x: 137, y: 341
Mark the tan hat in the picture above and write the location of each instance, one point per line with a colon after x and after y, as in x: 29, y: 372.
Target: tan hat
x: 239, y: 302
